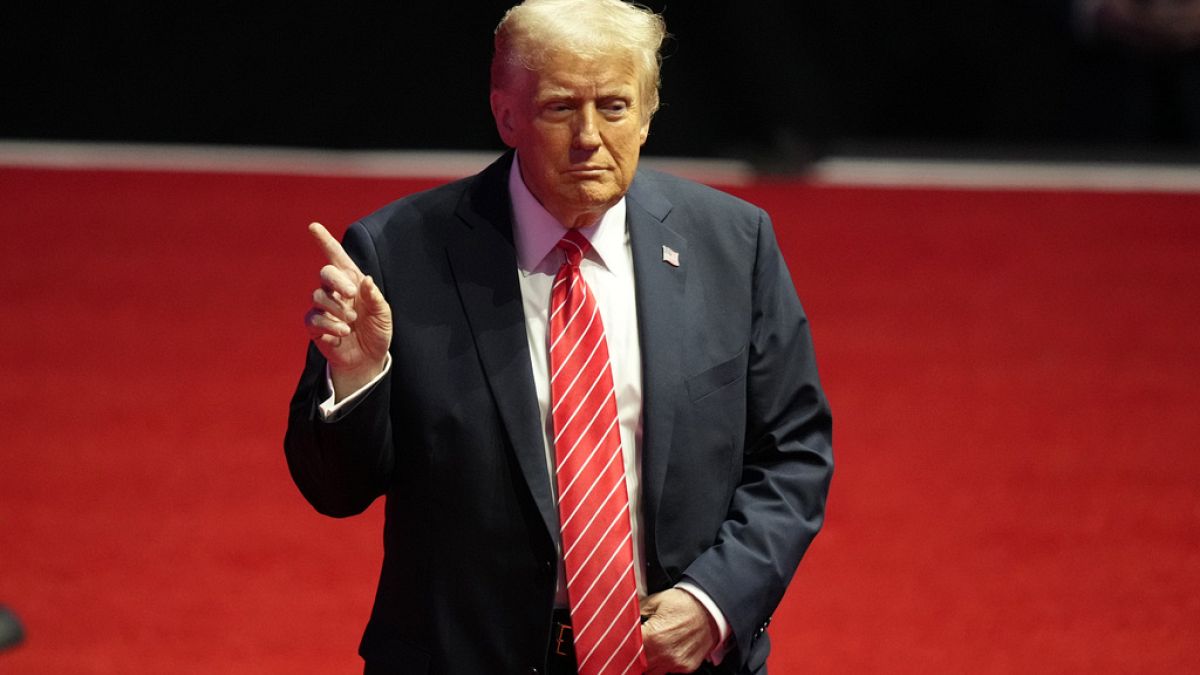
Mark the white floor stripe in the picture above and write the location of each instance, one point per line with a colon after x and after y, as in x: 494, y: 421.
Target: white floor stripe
x: 974, y: 174
x: 444, y: 164
x: 310, y: 161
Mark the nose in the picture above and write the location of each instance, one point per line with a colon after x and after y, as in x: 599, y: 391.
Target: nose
x: 587, y: 133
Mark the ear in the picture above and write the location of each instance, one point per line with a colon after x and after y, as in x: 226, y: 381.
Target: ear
x: 644, y: 133
x: 503, y: 112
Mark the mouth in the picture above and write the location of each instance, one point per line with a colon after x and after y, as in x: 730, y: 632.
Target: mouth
x: 587, y: 171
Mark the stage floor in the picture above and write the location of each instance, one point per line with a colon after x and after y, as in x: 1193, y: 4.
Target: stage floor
x: 1013, y: 374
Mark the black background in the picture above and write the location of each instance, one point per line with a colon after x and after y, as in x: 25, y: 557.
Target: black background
x: 740, y: 79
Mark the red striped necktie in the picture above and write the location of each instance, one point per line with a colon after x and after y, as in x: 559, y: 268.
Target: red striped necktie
x: 593, y: 501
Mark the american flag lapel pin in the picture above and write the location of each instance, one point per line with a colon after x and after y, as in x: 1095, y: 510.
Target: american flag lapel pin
x: 670, y: 256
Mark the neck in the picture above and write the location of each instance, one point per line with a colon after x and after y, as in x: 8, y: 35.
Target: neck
x: 575, y: 221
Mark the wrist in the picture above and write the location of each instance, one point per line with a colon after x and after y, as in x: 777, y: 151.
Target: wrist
x: 346, y: 381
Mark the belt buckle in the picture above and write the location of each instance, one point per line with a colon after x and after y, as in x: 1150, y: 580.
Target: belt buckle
x: 562, y: 637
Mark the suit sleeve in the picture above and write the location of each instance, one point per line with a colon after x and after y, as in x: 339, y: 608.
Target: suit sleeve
x: 343, y: 465
x: 779, y: 504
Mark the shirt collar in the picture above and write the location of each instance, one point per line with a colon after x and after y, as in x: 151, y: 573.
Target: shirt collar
x: 537, y: 232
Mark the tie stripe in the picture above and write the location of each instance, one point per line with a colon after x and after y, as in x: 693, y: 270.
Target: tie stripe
x: 575, y: 478
x: 570, y: 385
x: 593, y: 500
x: 587, y: 591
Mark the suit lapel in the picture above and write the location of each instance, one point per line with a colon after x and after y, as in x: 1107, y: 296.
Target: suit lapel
x: 484, y: 263
x: 660, y: 310
x: 483, y: 260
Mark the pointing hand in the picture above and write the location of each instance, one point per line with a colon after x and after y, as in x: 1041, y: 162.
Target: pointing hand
x: 350, y: 322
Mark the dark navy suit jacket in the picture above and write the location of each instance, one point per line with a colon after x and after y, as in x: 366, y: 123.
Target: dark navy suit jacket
x: 736, y: 456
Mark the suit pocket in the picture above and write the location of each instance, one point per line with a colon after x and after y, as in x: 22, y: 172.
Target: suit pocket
x: 721, y: 375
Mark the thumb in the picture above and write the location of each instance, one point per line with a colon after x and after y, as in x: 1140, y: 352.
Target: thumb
x: 649, y: 604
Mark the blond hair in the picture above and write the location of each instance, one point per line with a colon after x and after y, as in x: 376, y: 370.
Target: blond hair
x: 535, y: 29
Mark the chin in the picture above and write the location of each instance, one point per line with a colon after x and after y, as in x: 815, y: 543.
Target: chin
x: 596, y: 193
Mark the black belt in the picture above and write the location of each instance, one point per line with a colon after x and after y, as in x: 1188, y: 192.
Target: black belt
x: 560, y: 658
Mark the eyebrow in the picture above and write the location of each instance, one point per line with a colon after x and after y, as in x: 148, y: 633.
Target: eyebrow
x: 618, y: 91
x: 555, y: 92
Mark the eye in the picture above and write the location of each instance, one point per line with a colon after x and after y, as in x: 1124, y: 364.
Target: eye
x: 615, y: 106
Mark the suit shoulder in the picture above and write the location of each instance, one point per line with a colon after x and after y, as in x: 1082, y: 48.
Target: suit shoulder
x: 699, y: 209
x: 683, y: 192
x: 419, y: 209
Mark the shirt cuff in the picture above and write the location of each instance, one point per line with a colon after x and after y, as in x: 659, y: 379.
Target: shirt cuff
x: 331, y: 411
x: 718, y: 653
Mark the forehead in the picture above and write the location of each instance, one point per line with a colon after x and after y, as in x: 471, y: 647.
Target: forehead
x: 572, y: 72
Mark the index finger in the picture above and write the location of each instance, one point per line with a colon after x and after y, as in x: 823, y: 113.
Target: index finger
x: 332, y: 248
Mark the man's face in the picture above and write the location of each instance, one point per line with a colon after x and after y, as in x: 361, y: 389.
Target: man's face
x: 578, y: 126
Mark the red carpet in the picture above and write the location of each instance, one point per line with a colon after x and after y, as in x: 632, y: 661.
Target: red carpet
x: 1014, y: 378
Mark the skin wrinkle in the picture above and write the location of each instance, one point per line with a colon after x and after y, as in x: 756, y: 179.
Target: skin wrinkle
x: 578, y: 126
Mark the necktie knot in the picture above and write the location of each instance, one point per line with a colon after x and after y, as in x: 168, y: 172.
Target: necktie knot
x: 574, y: 245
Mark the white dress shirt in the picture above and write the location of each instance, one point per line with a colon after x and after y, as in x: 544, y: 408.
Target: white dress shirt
x: 608, y: 270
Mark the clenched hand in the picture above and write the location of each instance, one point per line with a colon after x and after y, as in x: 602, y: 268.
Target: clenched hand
x: 678, y: 633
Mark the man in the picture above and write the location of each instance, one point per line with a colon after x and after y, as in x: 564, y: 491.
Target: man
x: 587, y: 392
